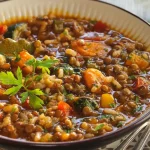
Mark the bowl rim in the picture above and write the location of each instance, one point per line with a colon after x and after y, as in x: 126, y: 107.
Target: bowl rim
x: 109, y: 136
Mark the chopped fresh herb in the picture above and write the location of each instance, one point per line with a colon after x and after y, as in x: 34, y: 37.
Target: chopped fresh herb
x: 43, y: 64
x: 24, y: 96
x: 8, y: 78
x: 105, y: 116
x: 64, y: 91
x: 38, y: 78
x: 130, y: 57
x: 143, y: 72
x: 68, y: 70
x: 77, y: 71
x: 83, y: 102
x: 67, y: 130
x: 112, y: 105
x: 120, y: 124
x: 139, y: 108
x: 45, y: 130
x: 70, y: 96
x: 106, y: 49
x: 132, y: 77
x: 136, y: 99
x: 98, y: 127
x: 17, y: 57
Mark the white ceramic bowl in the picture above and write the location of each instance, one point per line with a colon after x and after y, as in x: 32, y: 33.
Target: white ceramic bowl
x: 115, y: 17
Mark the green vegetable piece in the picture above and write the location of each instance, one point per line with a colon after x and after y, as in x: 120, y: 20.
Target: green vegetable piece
x: 58, y: 26
x: 120, y: 124
x: 68, y: 70
x: 98, y: 127
x: 14, y: 31
x: 112, y: 105
x: 136, y: 99
x: 132, y: 77
x: 10, y: 47
x: 70, y: 97
x: 83, y: 102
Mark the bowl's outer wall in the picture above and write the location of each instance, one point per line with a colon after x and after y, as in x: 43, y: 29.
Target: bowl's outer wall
x: 116, y: 18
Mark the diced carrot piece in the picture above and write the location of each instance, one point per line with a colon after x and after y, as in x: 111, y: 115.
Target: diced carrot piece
x: 139, y: 83
x: 89, y: 48
x: 65, y: 108
x: 107, y: 100
x: 93, y: 76
x: 24, y: 57
x: 136, y: 59
x: 5, y: 66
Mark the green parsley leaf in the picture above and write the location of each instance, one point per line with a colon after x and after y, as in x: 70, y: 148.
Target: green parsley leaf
x: 46, y: 63
x: 43, y: 64
x: 35, y: 101
x: 24, y: 96
x: 36, y: 92
x: 13, y: 90
x: 45, y: 70
x: 30, y: 62
x: 8, y: 78
x: 98, y: 127
x: 19, y: 75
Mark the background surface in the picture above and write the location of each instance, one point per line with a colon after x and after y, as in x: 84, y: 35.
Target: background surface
x: 139, y: 7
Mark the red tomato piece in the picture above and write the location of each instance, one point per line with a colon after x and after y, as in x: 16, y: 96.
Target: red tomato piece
x: 65, y: 108
x: 100, y: 27
x: 3, y: 29
x: 26, y: 104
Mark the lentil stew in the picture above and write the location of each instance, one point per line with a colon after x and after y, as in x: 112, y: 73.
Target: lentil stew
x: 66, y: 79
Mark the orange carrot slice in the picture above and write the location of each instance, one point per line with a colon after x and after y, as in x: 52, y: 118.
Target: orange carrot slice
x: 90, y: 48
